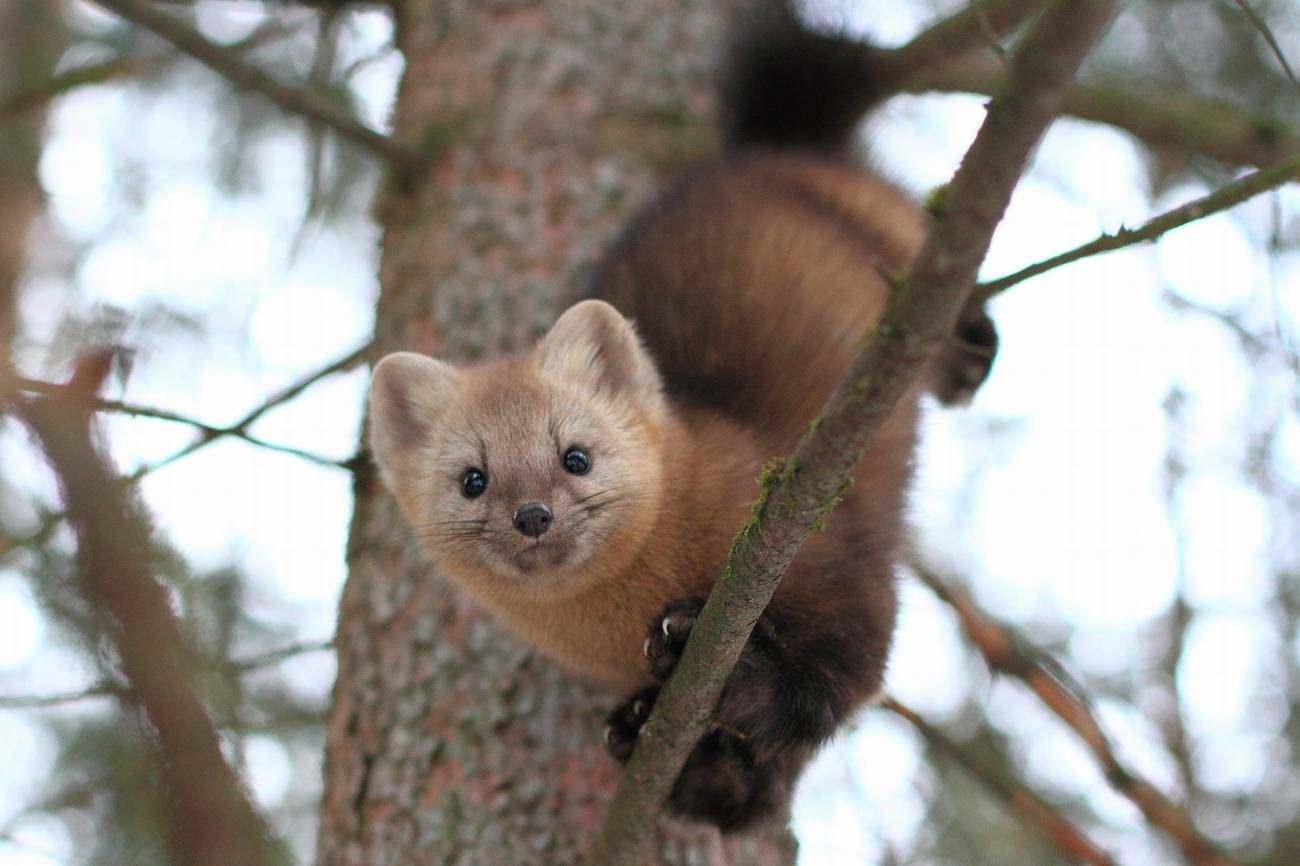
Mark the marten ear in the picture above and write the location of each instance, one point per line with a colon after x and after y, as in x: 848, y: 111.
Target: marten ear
x: 408, y: 394
x: 593, y: 343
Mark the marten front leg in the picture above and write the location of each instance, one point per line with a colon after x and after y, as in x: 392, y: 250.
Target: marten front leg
x: 767, y: 723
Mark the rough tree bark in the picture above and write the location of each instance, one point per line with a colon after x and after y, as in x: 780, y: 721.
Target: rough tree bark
x: 548, y: 122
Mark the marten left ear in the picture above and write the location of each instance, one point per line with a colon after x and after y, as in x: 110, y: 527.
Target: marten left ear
x: 593, y: 343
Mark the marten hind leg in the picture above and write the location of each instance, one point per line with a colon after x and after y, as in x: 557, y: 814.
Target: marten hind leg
x: 774, y: 711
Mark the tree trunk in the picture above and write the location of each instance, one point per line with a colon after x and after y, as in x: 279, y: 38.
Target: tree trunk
x: 550, y: 120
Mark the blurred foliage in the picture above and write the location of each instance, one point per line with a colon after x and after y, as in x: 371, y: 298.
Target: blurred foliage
x: 1204, y: 48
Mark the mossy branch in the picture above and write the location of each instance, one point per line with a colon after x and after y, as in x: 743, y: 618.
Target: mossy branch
x: 798, y: 494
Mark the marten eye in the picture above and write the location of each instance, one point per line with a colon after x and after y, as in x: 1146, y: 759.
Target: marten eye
x: 576, y: 462
x: 474, y: 483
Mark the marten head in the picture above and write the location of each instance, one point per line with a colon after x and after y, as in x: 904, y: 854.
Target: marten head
x: 531, y: 471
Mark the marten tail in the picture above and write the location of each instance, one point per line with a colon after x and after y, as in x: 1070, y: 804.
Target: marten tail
x: 784, y: 86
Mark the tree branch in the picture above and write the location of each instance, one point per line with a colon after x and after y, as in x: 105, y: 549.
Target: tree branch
x: 38, y: 95
x: 211, y: 822
x: 981, y: 23
x: 798, y: 494
x: 1228, y: 196
x: 1161, y: 120
x: 1010, y: 654
x: 1026, y: 806
x: 284, y: 395
x: 1266, y: 32
x: 247, y: 76
x: 51, y: 521
x: 207, y: 431
x: 106, y: 688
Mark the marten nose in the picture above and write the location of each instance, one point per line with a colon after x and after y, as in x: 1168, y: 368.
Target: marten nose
x: 533, y: 519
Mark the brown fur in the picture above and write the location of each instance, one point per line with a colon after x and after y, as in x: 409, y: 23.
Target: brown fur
x: 751, y: 282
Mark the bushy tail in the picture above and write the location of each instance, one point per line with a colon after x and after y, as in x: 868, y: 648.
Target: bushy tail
x: 785, y: 86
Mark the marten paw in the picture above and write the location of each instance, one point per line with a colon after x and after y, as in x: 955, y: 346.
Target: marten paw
x: 624, y: 724
x: 965, y: 362
x: 723, y: 785
x: 668, y: 634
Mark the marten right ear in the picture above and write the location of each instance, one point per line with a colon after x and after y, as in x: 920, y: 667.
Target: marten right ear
x: 593, y: 343
x: 408, y: 394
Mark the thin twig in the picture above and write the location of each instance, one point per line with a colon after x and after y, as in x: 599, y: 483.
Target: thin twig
x: 244, y: 75
x: 799, y: 493
x: 1258, y: 22
x: 1010, y: 654
x: 284, y: 395
x: 1162, y: 120
x: 1221, y: 199
x: 50, y: 522
x: 210, y: 821
x: 110, y: 688
x: 1025, y: 805
x: 206, y: 430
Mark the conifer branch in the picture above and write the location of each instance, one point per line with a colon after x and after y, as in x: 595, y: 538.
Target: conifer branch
x: 1023, y: 804
x: 245, y: 75
x: 1008, y: 653
x: 210, y: 819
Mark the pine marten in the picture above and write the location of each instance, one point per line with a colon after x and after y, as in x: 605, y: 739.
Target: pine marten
x: 587, y: 491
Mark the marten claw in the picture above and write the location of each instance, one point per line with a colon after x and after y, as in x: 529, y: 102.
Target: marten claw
x: 668, y: 635
x: 624, y: 724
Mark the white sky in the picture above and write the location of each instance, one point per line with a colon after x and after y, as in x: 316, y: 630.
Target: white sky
x: 1068, y: 524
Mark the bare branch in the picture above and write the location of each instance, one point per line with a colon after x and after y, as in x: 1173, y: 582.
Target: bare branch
x: 1265, y: 31
x: 981, y: 23
x: 51, y: 521
x: 1027, y: 807
x: 211, y: 821
x: 207, y: 431
x: 41, y: 93
x: 1228, y: 196
x: 109, y: 688
x: 799, y: 493
x: 31, y: 98
x: 1162, y: 120
x: 1010, y: 654
x: 244, y: 75
x: 284, y: 395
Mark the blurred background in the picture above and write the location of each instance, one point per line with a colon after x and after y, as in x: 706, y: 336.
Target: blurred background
x: 1123, y: 493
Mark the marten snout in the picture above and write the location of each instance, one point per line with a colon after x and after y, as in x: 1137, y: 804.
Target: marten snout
x: 533, y: 519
